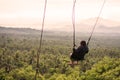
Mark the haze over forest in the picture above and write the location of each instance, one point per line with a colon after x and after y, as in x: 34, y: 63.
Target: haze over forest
x: 103, y: 25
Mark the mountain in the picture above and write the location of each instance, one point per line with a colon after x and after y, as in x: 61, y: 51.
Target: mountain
x: 18, y: 30
x: 103, y: 25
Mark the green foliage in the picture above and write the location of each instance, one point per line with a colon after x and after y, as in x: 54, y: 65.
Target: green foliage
x: 106, y: 69
x: 18, y: 58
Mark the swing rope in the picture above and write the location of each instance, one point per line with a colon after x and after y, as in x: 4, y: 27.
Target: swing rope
x: 73, y: 22
x: 96, y: 22
x: 40, y: 42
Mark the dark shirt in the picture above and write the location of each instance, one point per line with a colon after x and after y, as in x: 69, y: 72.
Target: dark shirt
x: 79, y: 53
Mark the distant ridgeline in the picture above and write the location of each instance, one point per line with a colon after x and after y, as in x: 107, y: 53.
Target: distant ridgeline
x: 29, y: 31
x: 18, y: 30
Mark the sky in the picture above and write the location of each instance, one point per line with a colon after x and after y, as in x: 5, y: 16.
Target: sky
x: 29, y: 13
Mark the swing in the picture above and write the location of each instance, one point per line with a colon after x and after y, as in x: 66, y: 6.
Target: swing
x: 73, y: 22
x: 79, y: 56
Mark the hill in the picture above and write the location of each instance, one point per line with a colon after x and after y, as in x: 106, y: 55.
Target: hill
x: 86, y: 26
x: 18, y: 30
x: 103, y: 25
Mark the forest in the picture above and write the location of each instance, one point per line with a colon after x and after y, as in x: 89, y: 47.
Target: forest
x: 18, y: 53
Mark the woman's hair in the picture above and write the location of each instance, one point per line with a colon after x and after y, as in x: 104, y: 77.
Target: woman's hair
x: 83, y: 43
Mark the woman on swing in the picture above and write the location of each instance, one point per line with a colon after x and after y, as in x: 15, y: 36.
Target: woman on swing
x: 79, y: 53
